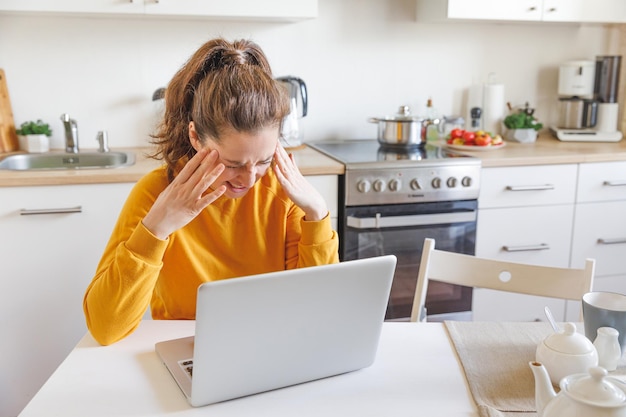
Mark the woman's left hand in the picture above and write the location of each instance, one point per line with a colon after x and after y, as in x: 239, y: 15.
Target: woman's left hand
x: 297, y: 187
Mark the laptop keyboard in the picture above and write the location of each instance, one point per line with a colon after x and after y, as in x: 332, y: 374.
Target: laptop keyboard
x: 187, y: 366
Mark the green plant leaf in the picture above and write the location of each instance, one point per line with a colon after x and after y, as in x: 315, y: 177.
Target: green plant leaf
x: 34, y: 128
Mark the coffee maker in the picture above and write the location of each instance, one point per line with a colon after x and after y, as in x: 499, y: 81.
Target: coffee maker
x: 588, y: 106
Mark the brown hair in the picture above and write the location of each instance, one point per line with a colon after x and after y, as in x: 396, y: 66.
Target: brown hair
x: 222, y: 86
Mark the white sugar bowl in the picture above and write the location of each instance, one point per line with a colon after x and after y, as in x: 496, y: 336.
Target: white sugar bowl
x: 565, y: 353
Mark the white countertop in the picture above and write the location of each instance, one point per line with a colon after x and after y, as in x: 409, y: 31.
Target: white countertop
x: 416, y: 372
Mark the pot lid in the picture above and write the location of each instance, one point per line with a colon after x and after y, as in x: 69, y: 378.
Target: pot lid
x: 595, y: 387
x: 403, y: 115
x: 569, y: 341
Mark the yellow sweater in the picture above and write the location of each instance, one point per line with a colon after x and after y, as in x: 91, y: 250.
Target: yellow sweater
x: 261, y: 232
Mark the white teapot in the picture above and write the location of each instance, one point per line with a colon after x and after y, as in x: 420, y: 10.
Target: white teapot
x: 566, y: 353
x: 592, y: 394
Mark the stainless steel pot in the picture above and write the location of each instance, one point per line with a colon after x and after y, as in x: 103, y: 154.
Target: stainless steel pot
x: 403, y: 129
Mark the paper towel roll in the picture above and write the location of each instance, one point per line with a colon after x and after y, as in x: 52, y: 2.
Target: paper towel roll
x: 493, y: 107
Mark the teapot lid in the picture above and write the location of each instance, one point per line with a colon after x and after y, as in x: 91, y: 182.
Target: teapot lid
x: 595, y: 387
x: 569, y: 341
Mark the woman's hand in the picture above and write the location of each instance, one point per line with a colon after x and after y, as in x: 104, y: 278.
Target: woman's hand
x: 184, y: 198
x: 297, y: 187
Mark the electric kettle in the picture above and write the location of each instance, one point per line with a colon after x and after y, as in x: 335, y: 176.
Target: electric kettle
x: 291, y: 130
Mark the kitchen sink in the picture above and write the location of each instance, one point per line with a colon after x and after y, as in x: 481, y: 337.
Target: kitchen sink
x: 53, y: 161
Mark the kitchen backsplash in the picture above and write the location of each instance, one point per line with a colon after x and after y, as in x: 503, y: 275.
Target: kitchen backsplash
x: 359, y: 58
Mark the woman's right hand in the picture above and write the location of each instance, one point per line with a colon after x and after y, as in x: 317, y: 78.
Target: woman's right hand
x: 185, y: 197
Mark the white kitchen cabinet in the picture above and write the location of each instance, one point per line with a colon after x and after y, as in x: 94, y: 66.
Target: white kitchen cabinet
x: 327, y: 185
x: 600, y: 223
x: 74, y: 6
x: 47, y: 262
x: 604, y: 11
x: 574, y: 11
x: 525, y: 215
x: 279, y: 10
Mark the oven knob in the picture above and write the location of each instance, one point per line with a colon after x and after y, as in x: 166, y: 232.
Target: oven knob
x: 415, y: 184
x: 466, y: 181
x: 363, y: 186
x: 451, y: 183
x: 436, y: 183
x: 394, y: 185
x: 379, y: 185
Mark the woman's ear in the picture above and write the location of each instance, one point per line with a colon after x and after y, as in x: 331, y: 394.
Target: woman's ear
x: 193, y: 137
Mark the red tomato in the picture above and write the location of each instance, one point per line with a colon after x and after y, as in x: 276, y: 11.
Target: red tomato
x: 484, y: 140
x: 456, y: 133
x: 469, y: 137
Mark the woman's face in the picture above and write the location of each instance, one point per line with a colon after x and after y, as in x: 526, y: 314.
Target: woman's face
x: 246, y: 156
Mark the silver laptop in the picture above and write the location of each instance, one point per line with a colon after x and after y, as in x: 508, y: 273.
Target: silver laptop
x: 268, y: 331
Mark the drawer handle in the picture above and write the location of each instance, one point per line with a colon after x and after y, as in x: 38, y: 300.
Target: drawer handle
x: 61, y: 210
x: 616, y: 183
x: 525, y: 248
x: 529, y: 187
x: 611, y: 241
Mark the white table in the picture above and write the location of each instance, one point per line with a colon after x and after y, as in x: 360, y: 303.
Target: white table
x: 416, y: 372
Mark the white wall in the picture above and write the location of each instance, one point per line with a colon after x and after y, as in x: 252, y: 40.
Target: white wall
x: 360, y: 58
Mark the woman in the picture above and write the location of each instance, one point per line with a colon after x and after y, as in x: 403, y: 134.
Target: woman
x: 229, y: 201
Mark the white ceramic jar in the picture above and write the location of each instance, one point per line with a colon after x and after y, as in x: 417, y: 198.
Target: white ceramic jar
x: 566, y: 353
x: 609, y: 350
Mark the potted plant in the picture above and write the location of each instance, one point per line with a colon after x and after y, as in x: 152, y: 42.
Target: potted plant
x: 34, y: 136
x: 522, y: 125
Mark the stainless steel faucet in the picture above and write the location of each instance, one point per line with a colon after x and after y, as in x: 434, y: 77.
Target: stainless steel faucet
x: 71, y: 133
x: 103, y: 141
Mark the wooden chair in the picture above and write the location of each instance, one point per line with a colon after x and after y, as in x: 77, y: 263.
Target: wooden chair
x: 471, y: 271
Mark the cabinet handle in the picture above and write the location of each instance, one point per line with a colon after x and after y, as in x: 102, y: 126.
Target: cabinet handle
x: 529, y: 187
x: 552, y: 9
x: 60, y: 210
x: 611, y: 241
x: 615, y: 183
x: 532, y: 9
x: 525, y: 248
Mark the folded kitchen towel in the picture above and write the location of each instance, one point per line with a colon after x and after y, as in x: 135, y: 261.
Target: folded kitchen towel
x: 495, y: 357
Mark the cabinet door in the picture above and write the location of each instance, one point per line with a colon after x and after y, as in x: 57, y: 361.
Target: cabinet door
x: 604, y: 11
x: 73, y: 6
x: 47, y: 262
x: 604, y: 181
x: 527, y: 186
x: 327, y: 185
x: 600, y: 233
x: 495, y: 10
x: 270, y: 9
x: 562, y: 10
x: 280, y: 10
x: 532, y: 235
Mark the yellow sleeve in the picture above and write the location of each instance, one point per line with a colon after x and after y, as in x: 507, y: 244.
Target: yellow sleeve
x: 120, y: 292
x: 318, y: 244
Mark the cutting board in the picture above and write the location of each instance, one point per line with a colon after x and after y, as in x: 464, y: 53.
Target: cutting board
x: 8, y: 137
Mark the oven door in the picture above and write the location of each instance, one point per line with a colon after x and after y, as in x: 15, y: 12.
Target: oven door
x: 400, y: 229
